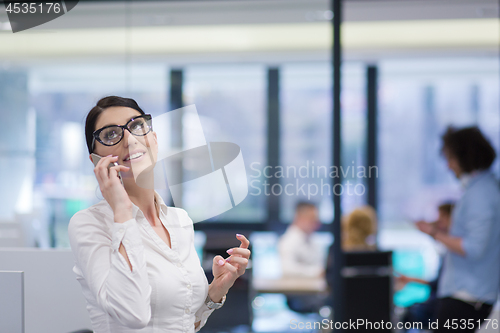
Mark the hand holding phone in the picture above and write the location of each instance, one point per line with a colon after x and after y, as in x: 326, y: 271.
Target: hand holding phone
x: 96, y: 158
x: 116, y: 196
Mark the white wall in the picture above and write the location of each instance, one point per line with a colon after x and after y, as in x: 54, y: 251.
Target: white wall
x: 54, y: 302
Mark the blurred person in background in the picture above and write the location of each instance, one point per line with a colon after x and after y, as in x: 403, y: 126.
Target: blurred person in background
x: 426, y: 311
x: 469, y: 283
x: 300, y: 256
x: 359, y: 229
x: 443, y: 222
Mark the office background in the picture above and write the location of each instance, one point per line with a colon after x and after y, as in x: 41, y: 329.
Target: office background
x: 434, y: 63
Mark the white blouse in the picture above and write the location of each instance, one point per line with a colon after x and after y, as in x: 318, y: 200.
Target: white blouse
x: 167, y: 287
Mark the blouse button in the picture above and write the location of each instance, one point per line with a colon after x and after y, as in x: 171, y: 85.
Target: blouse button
x: 126, y: 241
x: 188, y: 286
x: 179, y: 264
x: 122, y: 230
x: 187, y: 310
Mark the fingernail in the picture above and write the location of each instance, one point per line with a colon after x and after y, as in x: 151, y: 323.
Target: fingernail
x: 109, y: 155
x: 238, y: 235
x: 221, y: 262
x: 228, y: 259
x: 230, y: 251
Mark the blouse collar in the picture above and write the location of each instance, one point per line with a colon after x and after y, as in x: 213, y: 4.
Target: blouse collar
x: 159, y: 199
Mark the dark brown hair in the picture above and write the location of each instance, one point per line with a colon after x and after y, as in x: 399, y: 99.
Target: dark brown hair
x: 304, y: 204
x: 469, y: 147
x: 102, y: 105
x: 446, y: 208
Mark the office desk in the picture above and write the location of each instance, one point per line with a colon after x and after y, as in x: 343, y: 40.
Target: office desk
x: 316, y: 288
x: 290, y: 286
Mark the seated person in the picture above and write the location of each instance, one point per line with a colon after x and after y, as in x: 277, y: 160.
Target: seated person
x: 359, y: 229
x: 300, y: 256
x: 358, y: 233
x: 423, y: 312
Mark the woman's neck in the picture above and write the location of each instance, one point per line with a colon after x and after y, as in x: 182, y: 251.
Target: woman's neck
x: 144, y: 199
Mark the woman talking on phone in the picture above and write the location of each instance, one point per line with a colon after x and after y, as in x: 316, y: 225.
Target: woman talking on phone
x: 134, y: 256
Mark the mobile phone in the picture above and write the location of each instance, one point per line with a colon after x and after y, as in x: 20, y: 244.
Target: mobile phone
x: 96, y: 158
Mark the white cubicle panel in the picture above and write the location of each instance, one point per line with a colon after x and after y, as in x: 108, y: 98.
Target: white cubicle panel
x: 53, y: 300
x: 11, y: 234
x: 11, y: 302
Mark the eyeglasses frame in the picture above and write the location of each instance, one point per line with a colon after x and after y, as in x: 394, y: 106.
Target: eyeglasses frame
x: 95, y: 135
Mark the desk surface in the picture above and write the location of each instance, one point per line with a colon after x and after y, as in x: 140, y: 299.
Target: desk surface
x: 290, y: 285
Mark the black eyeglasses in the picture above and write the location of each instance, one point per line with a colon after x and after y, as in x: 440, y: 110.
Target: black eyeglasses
x: 112, y: 134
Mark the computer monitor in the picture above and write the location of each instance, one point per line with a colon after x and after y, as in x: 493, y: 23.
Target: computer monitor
x: 368, y: 288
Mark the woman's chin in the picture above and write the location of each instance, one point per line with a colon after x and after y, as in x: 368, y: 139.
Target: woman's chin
x: 143, y: 175
x: 141, y: 171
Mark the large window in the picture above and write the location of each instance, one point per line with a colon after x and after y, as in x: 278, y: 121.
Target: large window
x: 418, y: 100
x: 52, y: 161
x: 306, y: 137
x: 230, y: 100
x: 306, y: 144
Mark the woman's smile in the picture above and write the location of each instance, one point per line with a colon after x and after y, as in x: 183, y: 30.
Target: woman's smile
x: 135, y: 156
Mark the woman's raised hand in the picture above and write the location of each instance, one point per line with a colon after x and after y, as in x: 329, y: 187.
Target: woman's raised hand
x: 226, y: 271
x: 425, y: 227
x: 111, y: 188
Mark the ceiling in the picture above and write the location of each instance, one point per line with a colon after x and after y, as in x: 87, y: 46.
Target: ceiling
x: 97, y: 14
x: 273, y: 30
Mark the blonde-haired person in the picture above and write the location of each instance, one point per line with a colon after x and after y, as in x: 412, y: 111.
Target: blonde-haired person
x: 359, y: 229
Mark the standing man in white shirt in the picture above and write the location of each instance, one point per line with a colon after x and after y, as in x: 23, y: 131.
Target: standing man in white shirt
x: 300, y: 256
